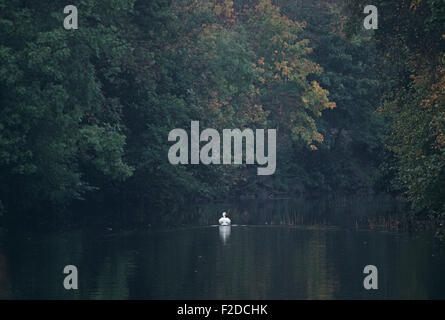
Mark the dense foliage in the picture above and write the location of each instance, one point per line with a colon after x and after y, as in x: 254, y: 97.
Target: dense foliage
x: 59, y: 129
x: 411, y: 41
x: 85, y: 114
x: 351, y: 152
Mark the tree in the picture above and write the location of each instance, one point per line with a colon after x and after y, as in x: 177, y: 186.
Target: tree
x: 56, y: 125
x: 410, y: 38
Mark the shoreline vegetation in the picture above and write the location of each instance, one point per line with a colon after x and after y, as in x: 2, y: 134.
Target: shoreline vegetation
x: 85, y: 114
x: 354, y: 212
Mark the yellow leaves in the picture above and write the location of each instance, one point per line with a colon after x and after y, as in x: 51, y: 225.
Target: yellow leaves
x: 283, y: 68
x: 318, y: 137
x: 414, y: 77
x: 440, y: 141
x: 380, y: 109
x: 209, y: 33
x: 425, y: 103
x: 315, y: 98
x: 261, y: 61
x: 224, y: 11
x: 415, y: 4
x: 217, y: 9
x: 316, y: 87
x: 330, y: 105
x: 436, y: 90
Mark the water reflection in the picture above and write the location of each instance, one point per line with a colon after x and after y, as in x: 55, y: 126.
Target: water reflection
x: 224, y: 233
x: 273, y: 261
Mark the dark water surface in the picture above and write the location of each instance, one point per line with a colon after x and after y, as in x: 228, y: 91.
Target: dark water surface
x: 276, y: 250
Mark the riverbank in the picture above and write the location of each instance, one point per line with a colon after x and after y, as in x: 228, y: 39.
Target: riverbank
x: 368, y: 212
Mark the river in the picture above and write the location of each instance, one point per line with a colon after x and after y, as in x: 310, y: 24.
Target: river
x: 276, y: 249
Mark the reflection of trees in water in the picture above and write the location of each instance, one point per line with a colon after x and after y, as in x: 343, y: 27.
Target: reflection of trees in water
x: 258, y: 262
x: 112, y: 280
x: 36, y: 266
x: 321, y: 277
x: 252, y: 265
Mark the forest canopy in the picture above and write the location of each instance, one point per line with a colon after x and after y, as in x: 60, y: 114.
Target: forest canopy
x: 85, y: 114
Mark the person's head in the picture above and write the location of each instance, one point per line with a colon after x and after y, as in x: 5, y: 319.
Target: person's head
x: 224, y: 214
